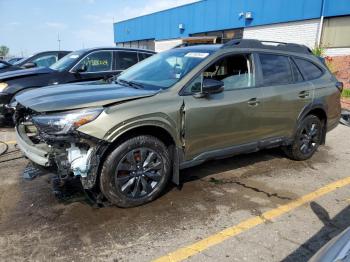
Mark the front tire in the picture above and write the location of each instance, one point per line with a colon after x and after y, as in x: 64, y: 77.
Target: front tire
x: 308, y: 138
x: 136, y: 172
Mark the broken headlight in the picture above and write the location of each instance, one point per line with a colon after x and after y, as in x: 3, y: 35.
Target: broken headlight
x: 66, y: 122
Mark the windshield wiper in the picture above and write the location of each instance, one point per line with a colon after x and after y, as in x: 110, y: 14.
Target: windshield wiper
x: 130, y: 83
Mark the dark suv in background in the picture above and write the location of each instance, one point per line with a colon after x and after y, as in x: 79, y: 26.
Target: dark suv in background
x: 42, y: 59
x: 83, y: 65
x: 178, y: 109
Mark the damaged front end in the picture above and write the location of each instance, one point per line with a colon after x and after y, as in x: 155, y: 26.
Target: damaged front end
x: 51, y: 140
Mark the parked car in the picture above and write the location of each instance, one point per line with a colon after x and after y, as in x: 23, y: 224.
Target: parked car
x: 84, y: 65
x: 42, y: 59
x: 4, y: 66
x: 178, y: 109
x: 14, y: 60
x: 336, y: 250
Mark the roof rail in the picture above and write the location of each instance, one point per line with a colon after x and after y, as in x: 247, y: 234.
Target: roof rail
x: 271, y: 45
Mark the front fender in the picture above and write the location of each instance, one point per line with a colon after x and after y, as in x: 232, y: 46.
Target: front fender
x: 156, y: 119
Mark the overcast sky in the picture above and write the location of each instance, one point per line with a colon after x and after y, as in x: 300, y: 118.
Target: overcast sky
x: 29, y: 26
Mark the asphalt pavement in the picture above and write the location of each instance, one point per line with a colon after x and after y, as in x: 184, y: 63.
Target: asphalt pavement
x: 256, y: 207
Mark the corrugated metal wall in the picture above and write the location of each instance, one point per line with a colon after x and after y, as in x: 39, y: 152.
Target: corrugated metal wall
x: 211, y: 15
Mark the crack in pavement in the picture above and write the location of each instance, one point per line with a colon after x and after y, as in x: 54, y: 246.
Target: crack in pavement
x: 255, y: 189
x: 262, y: 191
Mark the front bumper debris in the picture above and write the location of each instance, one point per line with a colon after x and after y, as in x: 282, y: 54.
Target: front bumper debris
x: 74, y: 155
x: 38, y: 153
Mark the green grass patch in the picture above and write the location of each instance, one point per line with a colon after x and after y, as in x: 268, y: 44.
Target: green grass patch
x: 346, y: 93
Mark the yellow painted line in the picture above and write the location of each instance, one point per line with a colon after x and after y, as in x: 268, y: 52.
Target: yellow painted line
x: 10, y: 142
x: 197, y: 247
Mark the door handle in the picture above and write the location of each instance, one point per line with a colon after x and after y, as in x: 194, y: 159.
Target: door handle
x: 253, y: 102
x: 304, y: 94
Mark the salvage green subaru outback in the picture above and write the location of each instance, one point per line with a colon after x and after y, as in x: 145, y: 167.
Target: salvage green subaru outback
x: 177, y: 109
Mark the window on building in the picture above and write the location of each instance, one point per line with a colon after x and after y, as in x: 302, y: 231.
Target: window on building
x: 143, y: 44
x: 336, y: 32
x: 224, y: 35
x: 126, y: 60
x: 232, y: 34
x: 134, y: 44
x: 276, y: 69
x: 308, y: 69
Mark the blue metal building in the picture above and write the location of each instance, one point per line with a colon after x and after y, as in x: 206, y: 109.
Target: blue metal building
x: 239, y: 18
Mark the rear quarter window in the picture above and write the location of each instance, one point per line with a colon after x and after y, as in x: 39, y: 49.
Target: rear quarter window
x: 276, y: 69
x: 309, y: 70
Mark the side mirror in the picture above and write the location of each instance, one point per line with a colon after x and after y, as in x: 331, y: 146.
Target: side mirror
x: 210, y: 86
x: 29, y: 65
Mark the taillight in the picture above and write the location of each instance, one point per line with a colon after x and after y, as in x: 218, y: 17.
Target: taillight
x: 340, y: 86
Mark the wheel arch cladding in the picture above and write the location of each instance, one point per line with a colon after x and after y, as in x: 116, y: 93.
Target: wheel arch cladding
x: 159, y: 132
x: 322, y: 115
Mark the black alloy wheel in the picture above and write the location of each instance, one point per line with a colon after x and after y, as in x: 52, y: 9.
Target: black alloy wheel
x: 136, y: 171
x: 307, y: 140
x: 139, y: 172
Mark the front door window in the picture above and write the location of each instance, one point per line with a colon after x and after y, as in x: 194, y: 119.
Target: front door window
x: 96, y: 62
x: 235, y: 71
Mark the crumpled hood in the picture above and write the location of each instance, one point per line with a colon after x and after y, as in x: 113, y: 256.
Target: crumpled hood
x: 74, y: 96
x: 24, y: 72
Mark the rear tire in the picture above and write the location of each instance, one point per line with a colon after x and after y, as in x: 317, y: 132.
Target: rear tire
x: 136, y: 172
x: 307, y: 139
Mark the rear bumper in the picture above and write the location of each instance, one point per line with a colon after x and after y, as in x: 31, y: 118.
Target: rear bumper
x: 38, y: 153
x: 333, y: 122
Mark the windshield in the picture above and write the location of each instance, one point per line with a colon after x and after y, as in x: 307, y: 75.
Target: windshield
x: 163, y: 70
x: 3, y: 65
x: 20, y: 61
x: 67, y: 61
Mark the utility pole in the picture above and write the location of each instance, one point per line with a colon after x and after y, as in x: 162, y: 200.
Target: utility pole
x: 59, y: 41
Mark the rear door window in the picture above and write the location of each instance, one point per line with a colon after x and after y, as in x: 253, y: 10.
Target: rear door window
x: 126, y: 60
x: 308, y: 69
x: 276, y: 69
x: 143, y: 56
